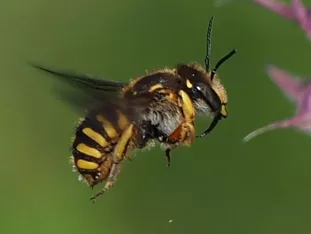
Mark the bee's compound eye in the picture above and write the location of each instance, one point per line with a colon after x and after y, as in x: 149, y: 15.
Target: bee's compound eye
x: 198, y: 88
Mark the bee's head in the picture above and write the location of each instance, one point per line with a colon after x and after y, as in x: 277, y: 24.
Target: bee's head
x: 208, y: 96
x: 206, y: 90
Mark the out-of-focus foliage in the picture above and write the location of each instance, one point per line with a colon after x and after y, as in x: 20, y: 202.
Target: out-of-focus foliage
x: 217, y: 186
x: 296, y: 11
x: 298, y: 91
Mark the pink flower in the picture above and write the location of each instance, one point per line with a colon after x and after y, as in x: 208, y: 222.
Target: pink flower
x: 295, y: 12
x: 297, y: 90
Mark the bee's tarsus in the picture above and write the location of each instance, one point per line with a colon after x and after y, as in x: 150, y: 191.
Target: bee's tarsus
x: 168, y: 157
x: 93, y: 198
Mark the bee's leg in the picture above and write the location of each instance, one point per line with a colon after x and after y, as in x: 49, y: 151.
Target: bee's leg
x: 187, y: 106
x: 115, y: 170
x: 183, y: 135
x: 120, y: 149
x: 168, y: 156
x: 119, y: 153
x: 187, y: 131
x: 146, y: 132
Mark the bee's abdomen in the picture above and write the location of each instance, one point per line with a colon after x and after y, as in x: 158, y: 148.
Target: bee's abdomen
x: 92, y: 148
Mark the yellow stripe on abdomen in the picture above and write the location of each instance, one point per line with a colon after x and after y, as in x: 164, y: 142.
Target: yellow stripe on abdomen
x: 111, y: 131
x: 83, y: 148
x: 83, y: 164
x: 95, y: 136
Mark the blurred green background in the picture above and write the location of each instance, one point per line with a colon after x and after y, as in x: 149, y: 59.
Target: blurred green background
x: 217, y: 186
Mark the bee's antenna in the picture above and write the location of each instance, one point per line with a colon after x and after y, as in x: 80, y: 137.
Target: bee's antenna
x: 221, y: 61
x: 209, y: 44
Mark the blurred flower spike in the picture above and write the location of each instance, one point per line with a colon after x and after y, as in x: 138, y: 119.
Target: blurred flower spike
x: 298, y: 91
x: 295, y: 11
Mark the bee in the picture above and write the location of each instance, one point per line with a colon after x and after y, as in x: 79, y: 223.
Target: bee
x: 158, y: 107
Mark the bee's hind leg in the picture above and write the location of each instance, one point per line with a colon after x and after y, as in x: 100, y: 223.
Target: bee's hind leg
x: 115, y: 170
x: 120, y: 151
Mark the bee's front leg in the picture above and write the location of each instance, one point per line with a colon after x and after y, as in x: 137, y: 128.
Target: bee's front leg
x: 183, y: 135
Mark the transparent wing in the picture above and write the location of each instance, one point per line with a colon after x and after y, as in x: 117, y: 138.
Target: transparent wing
x: 89, y: 91
x: 94, y: 95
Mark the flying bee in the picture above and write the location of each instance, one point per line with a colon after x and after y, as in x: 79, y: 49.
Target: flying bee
x: 160, y: 106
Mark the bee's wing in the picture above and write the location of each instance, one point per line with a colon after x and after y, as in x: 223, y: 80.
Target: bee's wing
x: 89, y: 92
x: 86, y: 82
x: 102, y: 96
